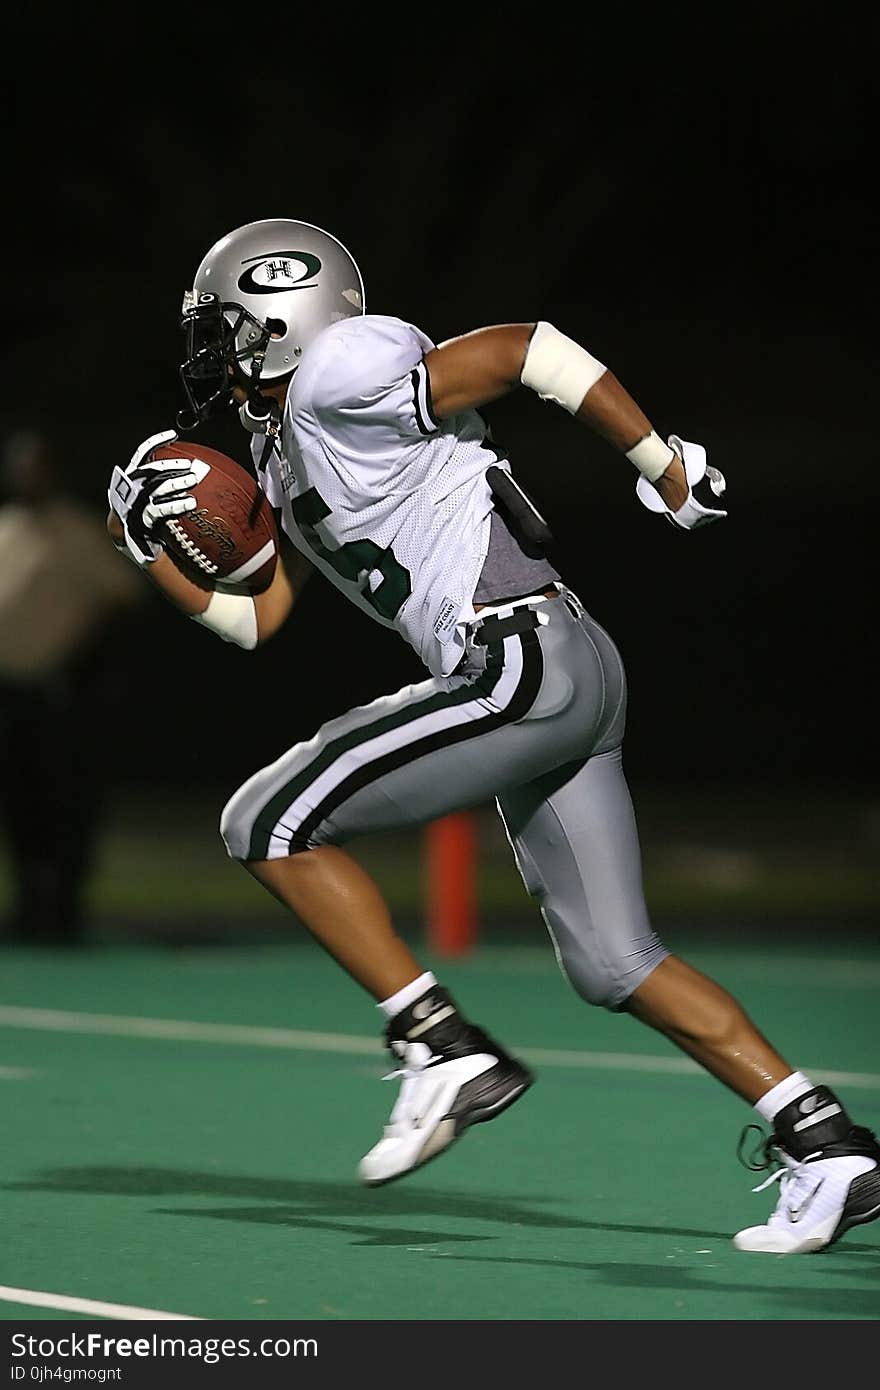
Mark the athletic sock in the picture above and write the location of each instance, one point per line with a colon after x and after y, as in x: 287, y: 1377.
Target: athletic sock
x: 394, y: 1005
x: 792, y: 1088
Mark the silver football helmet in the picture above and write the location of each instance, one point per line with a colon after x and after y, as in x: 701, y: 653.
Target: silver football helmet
x: 259, y: 297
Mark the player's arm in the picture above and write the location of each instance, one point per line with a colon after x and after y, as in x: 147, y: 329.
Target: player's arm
x: 482, y: 366
x: 292, y: 572
x: 246, y: 619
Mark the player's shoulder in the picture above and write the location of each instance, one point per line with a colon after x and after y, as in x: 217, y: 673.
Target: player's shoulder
x: 369, y: 333
x: 363, y: 354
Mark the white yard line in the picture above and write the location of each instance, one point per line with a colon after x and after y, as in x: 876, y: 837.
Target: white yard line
x: 183, y: 1030
x: 15, y: 1073
x: 245, y: 1035
x: 35, y: 1298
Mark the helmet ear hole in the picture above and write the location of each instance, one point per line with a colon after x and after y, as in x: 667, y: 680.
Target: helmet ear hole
x: 277, y: 327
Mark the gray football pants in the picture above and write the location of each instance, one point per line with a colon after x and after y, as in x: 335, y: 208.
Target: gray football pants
x: 535, y: 720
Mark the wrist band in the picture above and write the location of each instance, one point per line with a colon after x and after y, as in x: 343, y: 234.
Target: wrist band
x: 233, y: 617
x: 558, y: 368
x: 651, y: 456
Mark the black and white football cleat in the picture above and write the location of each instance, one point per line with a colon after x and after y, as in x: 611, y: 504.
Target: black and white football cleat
x: 824, y: 1190
x: 452, y: 1076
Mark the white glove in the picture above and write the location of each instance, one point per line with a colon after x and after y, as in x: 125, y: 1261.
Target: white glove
x: 148, y: 491
x: 691, y: 513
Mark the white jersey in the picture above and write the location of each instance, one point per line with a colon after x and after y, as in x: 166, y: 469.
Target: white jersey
x: 389, y: 503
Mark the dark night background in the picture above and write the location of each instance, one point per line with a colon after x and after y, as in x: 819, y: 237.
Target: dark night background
x: 689, y: 192
x: 695, y: 206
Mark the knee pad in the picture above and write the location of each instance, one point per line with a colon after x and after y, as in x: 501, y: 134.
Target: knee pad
x: 587, y: 972
x: 589, y: 975
x: 234, y: 834
x: 237, y: 830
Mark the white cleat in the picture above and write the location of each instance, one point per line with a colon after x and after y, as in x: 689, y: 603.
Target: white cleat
x: 819, y: 1199
x: 440, y: 1096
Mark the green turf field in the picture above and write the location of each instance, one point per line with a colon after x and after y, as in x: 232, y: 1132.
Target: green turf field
x: 182, y: 1128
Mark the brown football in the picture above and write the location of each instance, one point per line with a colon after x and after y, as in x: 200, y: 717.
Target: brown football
x: 231, y: 535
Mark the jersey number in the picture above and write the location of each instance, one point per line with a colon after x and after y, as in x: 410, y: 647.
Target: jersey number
x: 355, y: 560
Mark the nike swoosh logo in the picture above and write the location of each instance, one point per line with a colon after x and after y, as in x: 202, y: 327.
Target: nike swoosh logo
x: 445, y: 1012
x: 795, y: 1213
x: 826, y: 1113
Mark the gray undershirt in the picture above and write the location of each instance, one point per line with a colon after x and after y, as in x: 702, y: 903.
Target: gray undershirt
x: 507, y: 571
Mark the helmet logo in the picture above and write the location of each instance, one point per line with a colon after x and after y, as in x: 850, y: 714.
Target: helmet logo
x: 279, y: 271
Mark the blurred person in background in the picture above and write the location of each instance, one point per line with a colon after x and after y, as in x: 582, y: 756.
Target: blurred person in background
x: 60, y: 590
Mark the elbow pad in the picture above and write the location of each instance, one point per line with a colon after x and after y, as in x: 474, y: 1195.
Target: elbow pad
x: 558, y: 368
x: 233, y: 617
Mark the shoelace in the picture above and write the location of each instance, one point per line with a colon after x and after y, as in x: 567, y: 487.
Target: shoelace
x: 796, y: 1185
x: 761, y: 1156
x: 404, y: 1112
x: 790, y: 1175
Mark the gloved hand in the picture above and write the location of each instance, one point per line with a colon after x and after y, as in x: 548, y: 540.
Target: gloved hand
x: 691, y: 513
x: 148, y: 491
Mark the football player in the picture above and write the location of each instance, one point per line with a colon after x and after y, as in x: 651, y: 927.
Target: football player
x: 367, y: 439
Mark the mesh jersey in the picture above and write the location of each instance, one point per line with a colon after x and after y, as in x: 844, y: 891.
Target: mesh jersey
x: 389, y: 503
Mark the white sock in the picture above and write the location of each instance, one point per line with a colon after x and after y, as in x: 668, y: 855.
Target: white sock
x: 792, y: 1088
x: 406, y: 996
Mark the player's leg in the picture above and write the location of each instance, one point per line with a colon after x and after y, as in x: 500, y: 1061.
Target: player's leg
x: 574, y: 835
x: 453, y: 1074
x: 575, y: 839
x: 344, y: 909
x: 400, y: 761
x: 831, y: 1167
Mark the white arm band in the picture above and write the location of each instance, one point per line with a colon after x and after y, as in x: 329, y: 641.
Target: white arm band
x: 651, y: 456
x: 233, y: 617
x: 558, y: 368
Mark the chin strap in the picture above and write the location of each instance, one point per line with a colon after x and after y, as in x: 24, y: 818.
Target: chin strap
x: 258, y: 411
x: 259, y: 414
x: 268, y: 424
